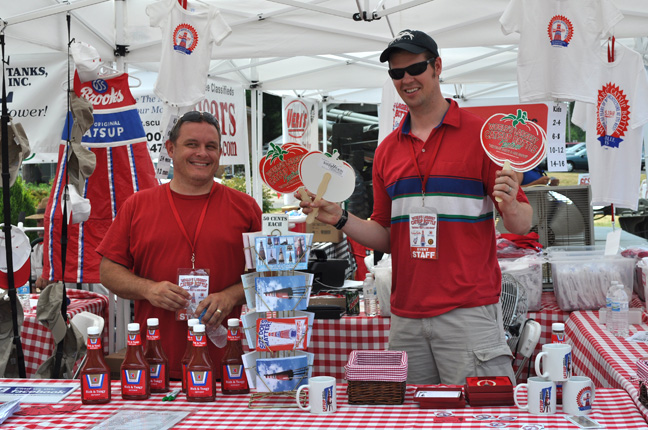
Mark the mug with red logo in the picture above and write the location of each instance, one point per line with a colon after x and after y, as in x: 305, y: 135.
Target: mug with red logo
x: 322, y: 398
x: 578, y: 395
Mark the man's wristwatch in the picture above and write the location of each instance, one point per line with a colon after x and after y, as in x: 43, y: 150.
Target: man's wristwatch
x: 343, y: 220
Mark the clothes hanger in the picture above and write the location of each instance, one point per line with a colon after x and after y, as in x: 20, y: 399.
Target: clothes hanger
x: 104, y: 72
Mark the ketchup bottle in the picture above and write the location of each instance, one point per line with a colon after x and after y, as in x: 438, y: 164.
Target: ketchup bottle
x: 188, y: 351
x: 201, y: 385
x: 95, y: 375
x: 156, y: 358
x: 135, y: 370
x: 233, y: 378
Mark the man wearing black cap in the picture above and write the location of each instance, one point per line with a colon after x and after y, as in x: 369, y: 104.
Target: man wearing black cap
x: 445, y: 304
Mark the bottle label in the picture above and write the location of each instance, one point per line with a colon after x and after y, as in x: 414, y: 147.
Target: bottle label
x: 189, y: 336
x: 95, y: 386
x: 133, y: 339
x: 153, y: 334
x: 200, y: 340
x: 234, y: 334
x: 158, y: 376
x: 199, y: 383
x: 94, y: 343
x: 234, y: 377
x: 558, y: 337
x: 133, y: 382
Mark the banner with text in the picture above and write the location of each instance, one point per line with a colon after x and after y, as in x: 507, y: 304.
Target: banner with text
x: 299, y: 122
x: 224, y: 99
x: 36, y: 98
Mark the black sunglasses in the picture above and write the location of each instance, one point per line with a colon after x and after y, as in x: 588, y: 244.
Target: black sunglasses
x: 412, y: 70
x: 194, y: 116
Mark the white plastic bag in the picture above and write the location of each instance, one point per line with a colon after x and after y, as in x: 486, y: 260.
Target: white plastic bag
x: 383, y: 278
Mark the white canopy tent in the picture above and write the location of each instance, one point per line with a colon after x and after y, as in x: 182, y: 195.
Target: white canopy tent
x: 326, y: 49
x: 304, y: 46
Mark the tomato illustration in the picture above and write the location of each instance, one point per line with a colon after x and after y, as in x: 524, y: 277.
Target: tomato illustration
x: 514, y: 138
x: 279, y: 169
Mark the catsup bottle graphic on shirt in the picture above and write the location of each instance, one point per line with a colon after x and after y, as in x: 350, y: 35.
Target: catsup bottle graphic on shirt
x: 134, y: 369
x: 201, y: 385
x: 95, y: 375
x: 156, y: 358
x: 233, y: 377
x: 188, y: 351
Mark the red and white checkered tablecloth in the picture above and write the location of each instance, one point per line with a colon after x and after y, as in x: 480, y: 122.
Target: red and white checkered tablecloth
x: 37, y: 340
x: 612, y: 408
x: 333, y: 340
x: 608, y: 360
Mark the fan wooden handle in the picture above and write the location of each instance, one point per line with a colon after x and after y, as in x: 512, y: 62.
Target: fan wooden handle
x: 320, y: 192
x: 506, y: 166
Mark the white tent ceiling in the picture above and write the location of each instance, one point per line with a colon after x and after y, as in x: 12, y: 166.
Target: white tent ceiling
x: 308, y: 47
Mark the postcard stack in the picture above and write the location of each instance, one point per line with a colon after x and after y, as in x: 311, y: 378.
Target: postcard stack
x: 277, y: 327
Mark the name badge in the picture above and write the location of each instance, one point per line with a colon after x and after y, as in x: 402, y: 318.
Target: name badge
x: 196, y: 283
x: 423, y: 235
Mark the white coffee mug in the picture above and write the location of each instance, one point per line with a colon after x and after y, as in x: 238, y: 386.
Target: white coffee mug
x: 556, y: 362
x: 322, y: 398
x: 578, y: 395
x: 541, y: 396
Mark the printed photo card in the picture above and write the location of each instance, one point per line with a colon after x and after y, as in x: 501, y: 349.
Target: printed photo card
x: 252, y: 297
x: 278, y: 374
x: 281, y: 293
x: 277, y: 253
x: 278, y: 332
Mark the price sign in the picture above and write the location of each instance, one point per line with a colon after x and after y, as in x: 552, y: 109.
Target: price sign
x: 556, y: 160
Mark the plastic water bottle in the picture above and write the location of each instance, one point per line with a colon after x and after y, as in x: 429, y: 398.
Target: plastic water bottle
x: 218, y: 335
x: 370, y: 296
x: 619, y: 313
x: 608, y: 305
x: 23, y: 296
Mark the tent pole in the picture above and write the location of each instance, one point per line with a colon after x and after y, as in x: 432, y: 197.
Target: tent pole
x: 6, y: 198
x: 257, y: 142
x: 324, y: 130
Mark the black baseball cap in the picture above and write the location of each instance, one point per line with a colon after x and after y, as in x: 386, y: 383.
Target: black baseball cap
x: 413, y: 41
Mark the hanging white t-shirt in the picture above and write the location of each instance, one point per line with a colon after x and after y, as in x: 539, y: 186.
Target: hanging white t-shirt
x: 392, y: 110
x: 559, y: 40
x: 187, y: 38
x: 614, y: 128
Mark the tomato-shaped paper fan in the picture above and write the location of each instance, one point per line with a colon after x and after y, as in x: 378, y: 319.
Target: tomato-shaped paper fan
x: 279, y: 169
x: 513, y: 141
x: 324, y: 172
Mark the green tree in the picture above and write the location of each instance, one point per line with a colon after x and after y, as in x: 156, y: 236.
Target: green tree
x: 238, y: 183
x: 20, y: 201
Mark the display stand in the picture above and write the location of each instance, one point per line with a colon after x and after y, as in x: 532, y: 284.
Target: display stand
x: 277, y: 328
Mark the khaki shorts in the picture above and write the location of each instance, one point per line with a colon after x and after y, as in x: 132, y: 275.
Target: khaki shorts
x: 448, y: 348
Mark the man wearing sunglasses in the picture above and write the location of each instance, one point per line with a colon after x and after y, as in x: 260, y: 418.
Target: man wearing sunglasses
x: 191, y: 226
x: 444, y: 304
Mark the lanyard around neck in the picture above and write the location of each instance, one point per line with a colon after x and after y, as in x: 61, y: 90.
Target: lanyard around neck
x: 437, y: 135
x: 181, y: 225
